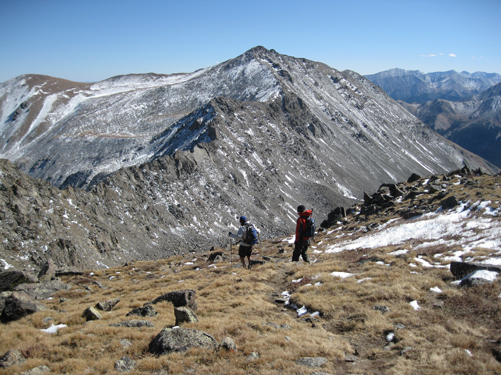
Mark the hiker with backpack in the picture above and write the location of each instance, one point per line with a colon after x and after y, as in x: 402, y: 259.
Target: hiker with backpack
x: 305, y: 229
x: 247, y: 236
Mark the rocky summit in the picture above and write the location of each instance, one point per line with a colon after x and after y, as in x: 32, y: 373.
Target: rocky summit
x: 153, y: 165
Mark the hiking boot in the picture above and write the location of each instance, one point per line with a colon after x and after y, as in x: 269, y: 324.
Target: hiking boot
x: 249, y: 266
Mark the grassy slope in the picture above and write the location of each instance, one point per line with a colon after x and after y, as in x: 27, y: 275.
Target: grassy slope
x: 455, y: 332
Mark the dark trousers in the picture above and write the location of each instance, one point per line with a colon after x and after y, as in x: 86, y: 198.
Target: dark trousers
x: 301, y: 249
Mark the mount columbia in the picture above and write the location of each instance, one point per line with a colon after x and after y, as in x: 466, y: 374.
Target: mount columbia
x: 151, y: 165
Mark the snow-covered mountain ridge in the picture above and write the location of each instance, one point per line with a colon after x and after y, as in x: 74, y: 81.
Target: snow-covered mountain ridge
x: 77, y: 134
x: 170, y: 167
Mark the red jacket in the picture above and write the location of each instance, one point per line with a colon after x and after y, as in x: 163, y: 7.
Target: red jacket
x: 301, y: 225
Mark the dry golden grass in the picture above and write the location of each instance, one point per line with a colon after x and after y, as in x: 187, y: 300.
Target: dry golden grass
x: 455, y: 332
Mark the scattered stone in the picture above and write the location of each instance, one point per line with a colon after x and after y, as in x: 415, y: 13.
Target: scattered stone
x: 43, y: 290
x: 405, y: 350
x: 414, y: 177
x: 449, y: 203
x: 179, y: 340
x: 462, y: 269
x: 383, y: 309
x: 434, y: 188
x: 107, y: 305
x: 410, y: 214
x: 68, y: 271
x: 179, y: 298
x: 253, y: 356
x: 11, y: 278
x: 16, y: 305
x: 91, y: 313
x: 147, y: 310
x: 42, y: 369
x: 48, y: 271
x: 311, y: 361
x: 99, y: 284
x: 369, y: 210
x: 338, y: 214
x: 125, y: 364
x: 350, y: 358
x: 395, y: 191
x: 214, y: 255
x: 257, y: 262
x: 11, y: 358
x: 184, y: 315
x: 125, y: 343
x: 133, y: 324
x: 389, y: 346
x: 438, y: 304
x: 470, y: 281
x: 228, y: 344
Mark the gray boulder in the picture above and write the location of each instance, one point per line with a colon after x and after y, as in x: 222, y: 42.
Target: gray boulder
x: 311, y: 361
x: 147, y: 310
x: 11, y: 278
x: 413, y: 177
x: 449, y: 203
x: 462, y: 269
x: 18, y: 305
x: 48, y: 271
x: 179, y: 340
x: 91, y: 313
x: 42, y: 369
x: 214, y: 255
x: 184, y: 315
x: 179, y: 298
x: 134, y: 323
x: 228, y: 344
x: 107, y: 305
x: 11, y: 358
x: 338, y: 214
x: 125, y: 364
x: 395, y: 190
x: 42, y: 290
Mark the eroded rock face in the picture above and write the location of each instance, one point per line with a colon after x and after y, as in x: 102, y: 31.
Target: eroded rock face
x: 179, y: 340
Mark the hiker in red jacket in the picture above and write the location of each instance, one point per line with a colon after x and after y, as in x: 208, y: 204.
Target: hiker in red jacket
x: 301, y: 242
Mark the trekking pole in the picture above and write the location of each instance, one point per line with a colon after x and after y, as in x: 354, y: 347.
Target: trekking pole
x: 231, y: 252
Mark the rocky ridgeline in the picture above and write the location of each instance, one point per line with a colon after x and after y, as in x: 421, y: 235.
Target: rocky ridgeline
x: 23, y: 288
x: 391, y: 198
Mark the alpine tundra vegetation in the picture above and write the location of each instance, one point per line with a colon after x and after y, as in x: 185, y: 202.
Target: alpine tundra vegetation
x: 386, y: 293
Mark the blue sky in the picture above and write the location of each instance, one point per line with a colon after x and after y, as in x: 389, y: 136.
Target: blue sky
x: 89, y: 40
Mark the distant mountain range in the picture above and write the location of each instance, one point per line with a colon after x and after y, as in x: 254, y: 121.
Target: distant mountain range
x: 466, y: 108
x: 168, y: 162
x: 413, y: 86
